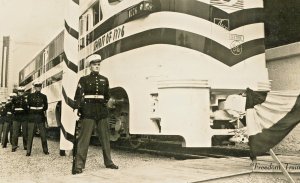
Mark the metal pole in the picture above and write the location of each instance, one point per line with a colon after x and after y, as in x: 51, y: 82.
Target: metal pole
x: 284, y: 171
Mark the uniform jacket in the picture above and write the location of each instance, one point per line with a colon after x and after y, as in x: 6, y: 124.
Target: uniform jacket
x: 2, y: 114
x: 93, y: 84
x: 9, y: 114
x: 18, y: 104
x: 37, y: 100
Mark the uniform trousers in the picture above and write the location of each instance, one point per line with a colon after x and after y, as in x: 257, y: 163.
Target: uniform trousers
x: 1, y: 130
x: 31, y: 132
x: 6, y: 129
x: 16, y: 132
x: 86, y: 127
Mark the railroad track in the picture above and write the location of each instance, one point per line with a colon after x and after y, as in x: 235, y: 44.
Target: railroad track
x: 174, y: 149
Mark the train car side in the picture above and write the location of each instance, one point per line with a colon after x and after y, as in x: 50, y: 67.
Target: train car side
x: 172, y: 63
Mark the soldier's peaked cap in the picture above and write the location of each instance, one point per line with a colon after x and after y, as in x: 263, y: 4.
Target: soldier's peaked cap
x: 12, y: 95
x: 93, y: 58
x: 21, y: 88
x: 37, y: 83
x: 3, y: 101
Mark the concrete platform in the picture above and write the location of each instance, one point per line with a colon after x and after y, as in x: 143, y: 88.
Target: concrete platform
x: 220, y: 170
x: 178, y: 171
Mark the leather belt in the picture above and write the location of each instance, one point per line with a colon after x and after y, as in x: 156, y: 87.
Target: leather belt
x: 36, y: 108
x: 94, y: 96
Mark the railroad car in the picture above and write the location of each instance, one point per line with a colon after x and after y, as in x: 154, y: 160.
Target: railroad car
x: 170, y: 63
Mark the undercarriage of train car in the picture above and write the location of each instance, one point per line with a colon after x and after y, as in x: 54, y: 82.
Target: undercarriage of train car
x: 233, y: 134
x: 222, y: 119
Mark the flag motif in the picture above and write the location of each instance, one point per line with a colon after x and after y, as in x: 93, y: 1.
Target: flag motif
x: 239, y: 4
x: 270, y: 117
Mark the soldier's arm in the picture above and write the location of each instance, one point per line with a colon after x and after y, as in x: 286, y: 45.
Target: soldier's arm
x: 13, y: 102
x: 24, y: 104
x: 28, y: 100
x: 4, y: 110
x: 79, y: 93
x: 106, y: 92
x: 8, y: 107
x: 45, y: 103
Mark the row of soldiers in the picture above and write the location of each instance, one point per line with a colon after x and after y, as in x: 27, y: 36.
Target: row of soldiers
x: 27, y: 112
x: 90, y: 101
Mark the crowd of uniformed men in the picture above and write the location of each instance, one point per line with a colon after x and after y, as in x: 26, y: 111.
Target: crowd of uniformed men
x: 27, y: 112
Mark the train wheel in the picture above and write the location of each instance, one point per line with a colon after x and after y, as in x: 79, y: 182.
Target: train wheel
x: 135, y: 141
x: 118, y: 118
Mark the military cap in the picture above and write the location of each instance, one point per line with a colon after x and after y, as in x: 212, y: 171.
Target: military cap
x: 3, y: 101
x: 11, y: 95
x: 37, y: 84
x: 21, y: 88
x: 93, y: 58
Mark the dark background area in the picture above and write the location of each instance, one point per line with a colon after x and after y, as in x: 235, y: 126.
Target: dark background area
x: 282, y: 22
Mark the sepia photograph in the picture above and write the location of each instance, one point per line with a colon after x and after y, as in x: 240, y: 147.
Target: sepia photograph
x: 149, y: 91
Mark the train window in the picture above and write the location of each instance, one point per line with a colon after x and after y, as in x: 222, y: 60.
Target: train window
x: 55, y: 78
x: 81, y: 64
x: 86, y: 64
x: 112, y: 2
x: 88, y: 38
x: 97, y: 13
x: 81, y: 43
x: 46, y: 55
x: 87, y: 22
x: 40, y: 72
x: 81, y: 25
x: 29, y: 90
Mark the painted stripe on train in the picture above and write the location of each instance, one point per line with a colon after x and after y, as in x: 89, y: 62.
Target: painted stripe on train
x: 234, y: 4
x: 71, y: 31
x: 70, y: 103
x: 70, y: 64
x: 187, y: 40
x: 211, y: 31
x: 68, y: 100
x: 247, y: 3
x: 67, y: 135
x: 192, y: 7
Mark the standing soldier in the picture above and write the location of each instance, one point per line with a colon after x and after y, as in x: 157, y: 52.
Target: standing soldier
x: 8, y: 121
x: 37, y: 105
x: 2, y: 117
x: 91, y: 96
x: 19, y: 109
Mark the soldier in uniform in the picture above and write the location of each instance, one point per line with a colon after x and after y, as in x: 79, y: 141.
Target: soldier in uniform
x: 7, y: 128
x: 2, y: 117
x: 91, y: 96
x: 37, y: 107
x: 19, y: 109
x: 3, y: 113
